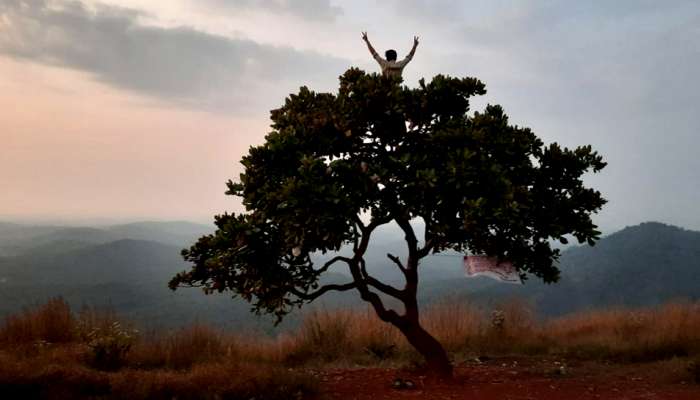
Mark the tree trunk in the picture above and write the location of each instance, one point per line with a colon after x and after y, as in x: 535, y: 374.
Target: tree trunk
x: 437, y: 362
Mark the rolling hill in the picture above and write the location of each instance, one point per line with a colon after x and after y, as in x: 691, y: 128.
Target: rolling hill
x: 642, y: 265
x: 127, y: 267
x: 17, y: 239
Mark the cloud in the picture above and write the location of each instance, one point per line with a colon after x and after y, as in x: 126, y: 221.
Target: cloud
x: 180, y: 65
x: 620, y: 75
x: 506, y: 11
x: 631, y: 56
x: 314, y: 10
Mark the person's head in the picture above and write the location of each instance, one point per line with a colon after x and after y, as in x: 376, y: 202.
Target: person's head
x: 390, y: 55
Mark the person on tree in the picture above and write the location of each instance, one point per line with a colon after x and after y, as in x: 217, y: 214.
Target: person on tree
x: 390, y: 67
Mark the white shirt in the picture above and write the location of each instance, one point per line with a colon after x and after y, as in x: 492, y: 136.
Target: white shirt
x: 392, y: 68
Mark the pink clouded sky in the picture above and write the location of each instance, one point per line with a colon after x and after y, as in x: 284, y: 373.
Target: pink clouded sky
x: 142, y: 109
x: 74, y: 148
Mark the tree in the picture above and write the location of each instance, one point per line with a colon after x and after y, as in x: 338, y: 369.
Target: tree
x: 337, y: 166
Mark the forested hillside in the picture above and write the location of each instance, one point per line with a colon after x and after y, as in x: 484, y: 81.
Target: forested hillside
x: 642, y: 265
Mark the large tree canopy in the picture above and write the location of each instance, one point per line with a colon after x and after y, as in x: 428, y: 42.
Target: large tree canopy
x: 336, y: 166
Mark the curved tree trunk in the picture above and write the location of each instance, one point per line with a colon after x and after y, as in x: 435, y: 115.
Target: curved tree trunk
x: 437, y: 362
x: 436, y: 359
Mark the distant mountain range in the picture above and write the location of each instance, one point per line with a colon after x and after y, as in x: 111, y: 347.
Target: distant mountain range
x: 128, y: 266
x: 18, y: 239
x: 642, y: 265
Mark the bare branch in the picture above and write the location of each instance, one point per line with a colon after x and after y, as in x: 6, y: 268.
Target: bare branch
x: 383, y: 287
x: 366, y: 233
x: 408, y: 231
x: 411, y: 274
x: 396, y: 261
x: 331, y: 262
x: 426, y: 231
x: 355, y: 238
x: 360, y: 247
x: 386, y: 289
x: 411, y: 241
x: 425, y: 250
x: 377, y: 222
x: 363, y: 268
x: 320, y: 292
x: 386, y: 315
x: 359, y: 223
x: 362, y: 279
x: 428, y: 239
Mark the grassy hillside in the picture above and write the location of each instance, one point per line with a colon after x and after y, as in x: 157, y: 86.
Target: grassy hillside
x: 52, y: 352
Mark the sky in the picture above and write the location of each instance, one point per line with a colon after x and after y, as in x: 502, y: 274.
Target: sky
x: 141, y: 109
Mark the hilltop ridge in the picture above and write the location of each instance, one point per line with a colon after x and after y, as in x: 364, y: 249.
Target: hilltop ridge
x: 128, y: 267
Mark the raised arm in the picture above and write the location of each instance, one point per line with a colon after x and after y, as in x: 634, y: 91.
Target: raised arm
x: 409, y: 57
x: 376, y: 56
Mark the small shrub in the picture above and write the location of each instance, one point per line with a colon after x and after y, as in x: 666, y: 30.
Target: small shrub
x: 91, y: 319
x: 109, y: 347
x: 498, y: 320
x: 381, y: 350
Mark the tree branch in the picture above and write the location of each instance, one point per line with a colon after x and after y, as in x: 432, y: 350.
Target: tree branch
x: 377, y: 222
x: 359, y: 223
x: 360, y: 247
x: 363, y: 269
x: 331, y: 262
x: 366, y: 233
x: 386, y: 315
x: 426, y: 231
x: 382, y: 287
x: 410, y: 237
x: 320, y: 292
x: 397, y: 262
x: 356, y: 235
x: 411, y: 288
x: 362, y: 279
x: 428, y: 238
x: 425, y: 250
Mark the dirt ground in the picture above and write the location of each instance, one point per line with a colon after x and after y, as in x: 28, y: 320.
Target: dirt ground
x: 515, y: 379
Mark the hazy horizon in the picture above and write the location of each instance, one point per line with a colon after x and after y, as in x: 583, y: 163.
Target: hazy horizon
x: 121, y: 111
x: 96, y: 221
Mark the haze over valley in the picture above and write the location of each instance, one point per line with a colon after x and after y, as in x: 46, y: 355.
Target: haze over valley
x: 127, y: 267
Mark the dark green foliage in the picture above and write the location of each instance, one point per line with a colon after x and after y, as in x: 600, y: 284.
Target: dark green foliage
x: 391, y: 153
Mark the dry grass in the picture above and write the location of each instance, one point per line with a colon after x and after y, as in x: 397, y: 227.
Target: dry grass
x: 46, y: 379
x: 358, y: 337
x: 181, y: 349
x: 52, y: 322
x: 213, y: 381
x: 631, y: 335
x: 49, y: 352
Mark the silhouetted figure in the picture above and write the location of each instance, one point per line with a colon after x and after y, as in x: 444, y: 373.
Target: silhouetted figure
x: 391, y: 67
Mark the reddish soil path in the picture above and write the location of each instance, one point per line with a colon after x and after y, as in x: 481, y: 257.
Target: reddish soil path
x: 512, y: 379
